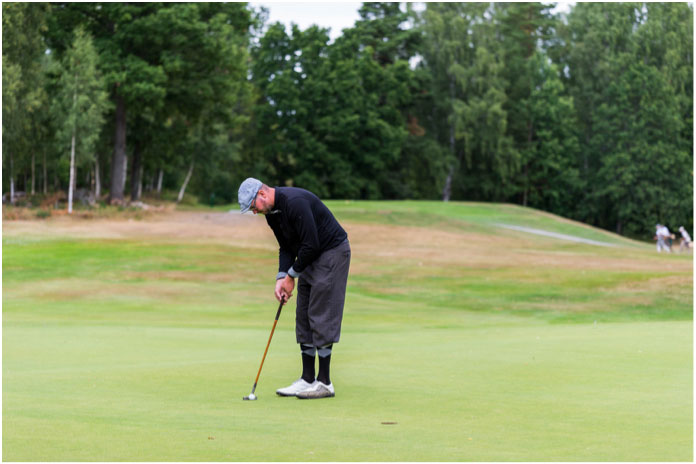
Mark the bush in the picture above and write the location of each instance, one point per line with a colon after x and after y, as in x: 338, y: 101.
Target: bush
x: 43, y: 213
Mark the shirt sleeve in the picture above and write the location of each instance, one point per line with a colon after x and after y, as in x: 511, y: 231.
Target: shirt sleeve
x: 285, y: 254
x: 306, y: 227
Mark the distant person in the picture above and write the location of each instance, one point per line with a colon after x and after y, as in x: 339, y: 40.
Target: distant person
x: 662, y: 235
x: 685, y: 242
x: 314, y: 249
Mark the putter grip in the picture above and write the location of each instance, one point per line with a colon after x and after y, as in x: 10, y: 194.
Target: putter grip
x: 282, y: 302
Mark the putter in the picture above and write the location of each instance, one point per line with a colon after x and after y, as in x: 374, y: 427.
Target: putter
x: 251, y: 396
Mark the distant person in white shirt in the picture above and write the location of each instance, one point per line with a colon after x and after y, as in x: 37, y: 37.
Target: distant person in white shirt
x: 662, y: 234
x: 686, y: 239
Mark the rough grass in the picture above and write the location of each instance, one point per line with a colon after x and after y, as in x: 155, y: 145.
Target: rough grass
x: 136, y: 339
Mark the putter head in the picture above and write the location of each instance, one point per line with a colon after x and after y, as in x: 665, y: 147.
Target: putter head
x: 251, y: 397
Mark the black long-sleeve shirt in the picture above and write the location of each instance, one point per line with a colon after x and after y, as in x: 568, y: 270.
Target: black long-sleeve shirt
x: 304, y: 228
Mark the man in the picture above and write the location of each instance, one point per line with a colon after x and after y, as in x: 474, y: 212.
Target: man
x: 685, y: 241
x: 662, y: 234
x: 314, y: 249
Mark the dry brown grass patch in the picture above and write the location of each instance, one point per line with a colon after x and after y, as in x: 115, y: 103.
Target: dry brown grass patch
x: 373, y: 245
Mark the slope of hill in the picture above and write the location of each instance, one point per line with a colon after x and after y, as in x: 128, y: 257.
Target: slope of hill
x: 485, y: 217
x: 505, y: 258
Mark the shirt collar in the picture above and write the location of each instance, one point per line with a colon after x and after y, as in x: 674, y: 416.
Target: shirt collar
x: 279, y: 202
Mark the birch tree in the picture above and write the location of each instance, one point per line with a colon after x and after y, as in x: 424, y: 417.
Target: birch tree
x: 80, y: 104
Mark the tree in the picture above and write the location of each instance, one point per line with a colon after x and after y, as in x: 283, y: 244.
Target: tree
x: 22, y: 92
x: 80, y: 105
x: 468, y: 93
x: 11, y: 87
x: 291, y: 74
x: 523, y: 30
x: 386, y: 35
x: 332, y: 117
x: 156, y: 56
x: 550, y: 179
x: 628, y: 66
x: 383, y: 27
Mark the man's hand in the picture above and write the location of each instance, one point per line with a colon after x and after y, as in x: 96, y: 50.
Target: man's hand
x: 284, y: 288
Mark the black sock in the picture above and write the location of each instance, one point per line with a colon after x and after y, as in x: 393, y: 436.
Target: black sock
x: 308, y: 354
x: 324, y: 364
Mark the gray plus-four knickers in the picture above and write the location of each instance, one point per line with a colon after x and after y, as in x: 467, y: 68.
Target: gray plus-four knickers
x: 321, y: 294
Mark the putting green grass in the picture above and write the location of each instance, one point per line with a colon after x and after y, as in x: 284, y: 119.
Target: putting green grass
x: 461, y: 341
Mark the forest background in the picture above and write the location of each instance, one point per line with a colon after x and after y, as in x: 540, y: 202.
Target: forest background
x: 586, y: 114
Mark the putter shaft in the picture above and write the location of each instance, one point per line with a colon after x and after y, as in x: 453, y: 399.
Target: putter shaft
x: 275, y: 322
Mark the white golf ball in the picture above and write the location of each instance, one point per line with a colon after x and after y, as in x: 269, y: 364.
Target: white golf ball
x: 252, y: 396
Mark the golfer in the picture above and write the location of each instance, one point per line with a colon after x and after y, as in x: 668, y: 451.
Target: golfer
x: 314, y: 249
x: 662, y: 234
x: 685, y: 240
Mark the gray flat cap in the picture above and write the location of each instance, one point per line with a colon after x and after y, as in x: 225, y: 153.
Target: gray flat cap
x: 247, y: 192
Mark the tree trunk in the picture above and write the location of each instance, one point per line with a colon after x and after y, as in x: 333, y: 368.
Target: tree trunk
x: 12, y: 185
x: 159, y: 182
x: 140, y: 184
x: 447, y: 191
x: 526, y: 185
x: 118, y: 162
x: 97, y: 179
x: 72, y: 174
x: 135, y: 173
x: 125, y: 174
x: 33, y: 173
x: 186, y: 181
x: 45, y: 174
x: 71, y: 184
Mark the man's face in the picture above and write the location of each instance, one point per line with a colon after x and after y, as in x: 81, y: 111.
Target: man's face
x: 260, y: 203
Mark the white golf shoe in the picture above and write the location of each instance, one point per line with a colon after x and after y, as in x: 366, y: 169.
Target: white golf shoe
x: 317, y: 390
x: 296, y: 387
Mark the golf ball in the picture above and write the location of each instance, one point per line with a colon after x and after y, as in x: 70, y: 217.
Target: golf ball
x: 252, y: 396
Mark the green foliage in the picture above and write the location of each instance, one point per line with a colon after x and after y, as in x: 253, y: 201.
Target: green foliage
x: 587, y: 114
x: 332, y: 116
x: 550, y: 178
x: 181, y: 62
x: 23, y: 94
x: 81, y: 101
x: 538, y: 115
x: 465, y: 60
x: 631, y: 94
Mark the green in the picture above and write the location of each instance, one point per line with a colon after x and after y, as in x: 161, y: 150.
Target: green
x: 461, y: 342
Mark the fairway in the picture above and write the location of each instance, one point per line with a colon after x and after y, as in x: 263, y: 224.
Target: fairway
x: 135, y: 340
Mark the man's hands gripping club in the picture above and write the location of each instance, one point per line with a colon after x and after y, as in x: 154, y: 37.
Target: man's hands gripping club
x: 284, y: 288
